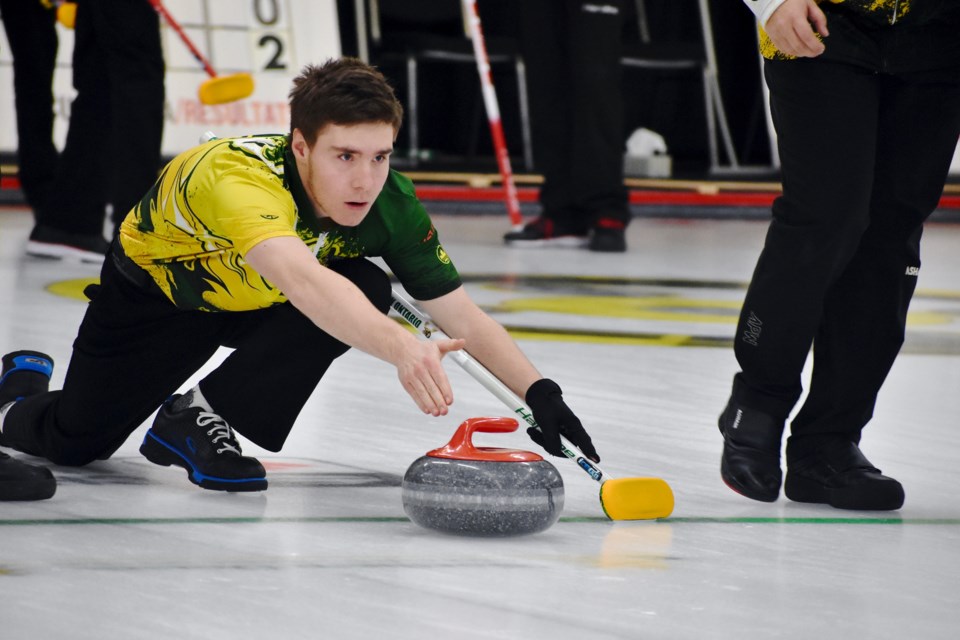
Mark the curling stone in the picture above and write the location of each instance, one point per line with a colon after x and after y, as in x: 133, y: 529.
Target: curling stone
x: 482, y: 491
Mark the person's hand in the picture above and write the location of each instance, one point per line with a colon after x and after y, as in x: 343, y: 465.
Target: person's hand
x: 555, y: 417
x: 423, y: 377
x: 793, y: 27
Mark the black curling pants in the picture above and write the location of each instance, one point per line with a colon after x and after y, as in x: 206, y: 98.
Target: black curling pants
x: 572, y: 50
x: 134, y: 349
x: 112, y: 151
x: 864, y: 159
x: 32, y: 35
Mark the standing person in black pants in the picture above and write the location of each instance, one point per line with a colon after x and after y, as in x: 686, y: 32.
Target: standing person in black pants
x: 865, y: 97
x: 30, y: 26
x: 112, y: 152
x: 572, y: 50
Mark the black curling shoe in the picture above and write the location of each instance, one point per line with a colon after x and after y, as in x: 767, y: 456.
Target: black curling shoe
x: 838, y: 474
x: 204, y: 444
x: 22, y: 481
x: 751, y: 452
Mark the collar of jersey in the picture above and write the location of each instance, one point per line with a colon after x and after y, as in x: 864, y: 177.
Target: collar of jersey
x: 305, y: 215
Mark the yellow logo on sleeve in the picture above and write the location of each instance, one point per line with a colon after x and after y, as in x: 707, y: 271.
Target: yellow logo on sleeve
x: 442, y: 255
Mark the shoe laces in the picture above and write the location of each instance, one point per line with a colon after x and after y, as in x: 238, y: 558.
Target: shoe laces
x: 220, y: 432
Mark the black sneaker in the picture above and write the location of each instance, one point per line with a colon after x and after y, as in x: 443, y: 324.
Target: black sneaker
x: 838, y: 474
x: 204, y: 444
x: 24, y: 374
x: 49, y: 242
x: 544, y: 232
x: 22, y: 481
x: 608, y: 235
x: 750, y: 464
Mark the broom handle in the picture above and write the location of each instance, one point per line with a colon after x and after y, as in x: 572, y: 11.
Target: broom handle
x: 158, y: 6
x: 416, y: 319
x: 493, y: 112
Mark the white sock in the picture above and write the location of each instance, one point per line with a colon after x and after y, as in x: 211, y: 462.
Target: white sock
x: 192, y: 398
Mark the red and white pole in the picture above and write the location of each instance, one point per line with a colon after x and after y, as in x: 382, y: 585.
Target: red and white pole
x: 493, y: 113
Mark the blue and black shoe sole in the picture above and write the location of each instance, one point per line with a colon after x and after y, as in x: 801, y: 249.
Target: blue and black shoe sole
x: 162, y: 453
x: 33, y: 370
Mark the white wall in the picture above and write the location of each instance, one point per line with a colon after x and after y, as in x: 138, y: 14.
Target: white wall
x: 273, y: 39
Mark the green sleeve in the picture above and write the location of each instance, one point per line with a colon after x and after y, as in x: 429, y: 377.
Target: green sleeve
x: 413, y: 251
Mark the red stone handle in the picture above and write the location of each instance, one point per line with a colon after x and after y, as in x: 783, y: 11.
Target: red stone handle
x: 461, y: 445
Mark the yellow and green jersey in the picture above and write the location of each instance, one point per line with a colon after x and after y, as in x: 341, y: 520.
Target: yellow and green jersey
x: 903, y: 35
x: 213, y: 203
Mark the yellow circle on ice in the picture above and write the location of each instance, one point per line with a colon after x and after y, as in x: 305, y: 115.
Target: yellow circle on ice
x: 72, y: 288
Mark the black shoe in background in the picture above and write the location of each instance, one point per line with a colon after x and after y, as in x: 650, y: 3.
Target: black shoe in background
x: 838, y: 474
x: 544, y: 232
x: 750, y: 464
x: 48, y: 242
x: 608, y: 235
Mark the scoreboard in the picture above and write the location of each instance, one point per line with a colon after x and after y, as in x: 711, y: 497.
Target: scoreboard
x: 271, y: 39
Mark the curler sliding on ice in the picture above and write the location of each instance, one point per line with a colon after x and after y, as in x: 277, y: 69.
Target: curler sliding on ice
x: 271, y: 237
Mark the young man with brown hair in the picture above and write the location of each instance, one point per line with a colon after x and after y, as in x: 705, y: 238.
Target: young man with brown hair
x: 259, y: 244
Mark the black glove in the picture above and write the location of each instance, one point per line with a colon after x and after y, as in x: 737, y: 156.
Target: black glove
x: 555, y: 417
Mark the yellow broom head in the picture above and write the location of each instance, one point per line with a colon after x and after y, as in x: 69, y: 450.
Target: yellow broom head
x: 636, y: 498
x: 67, y: 14
x: 223, y: 89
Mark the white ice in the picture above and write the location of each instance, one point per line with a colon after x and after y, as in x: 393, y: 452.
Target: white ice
x: 129, y: 550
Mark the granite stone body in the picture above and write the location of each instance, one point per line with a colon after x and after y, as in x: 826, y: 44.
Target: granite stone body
x: 482, y: 498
